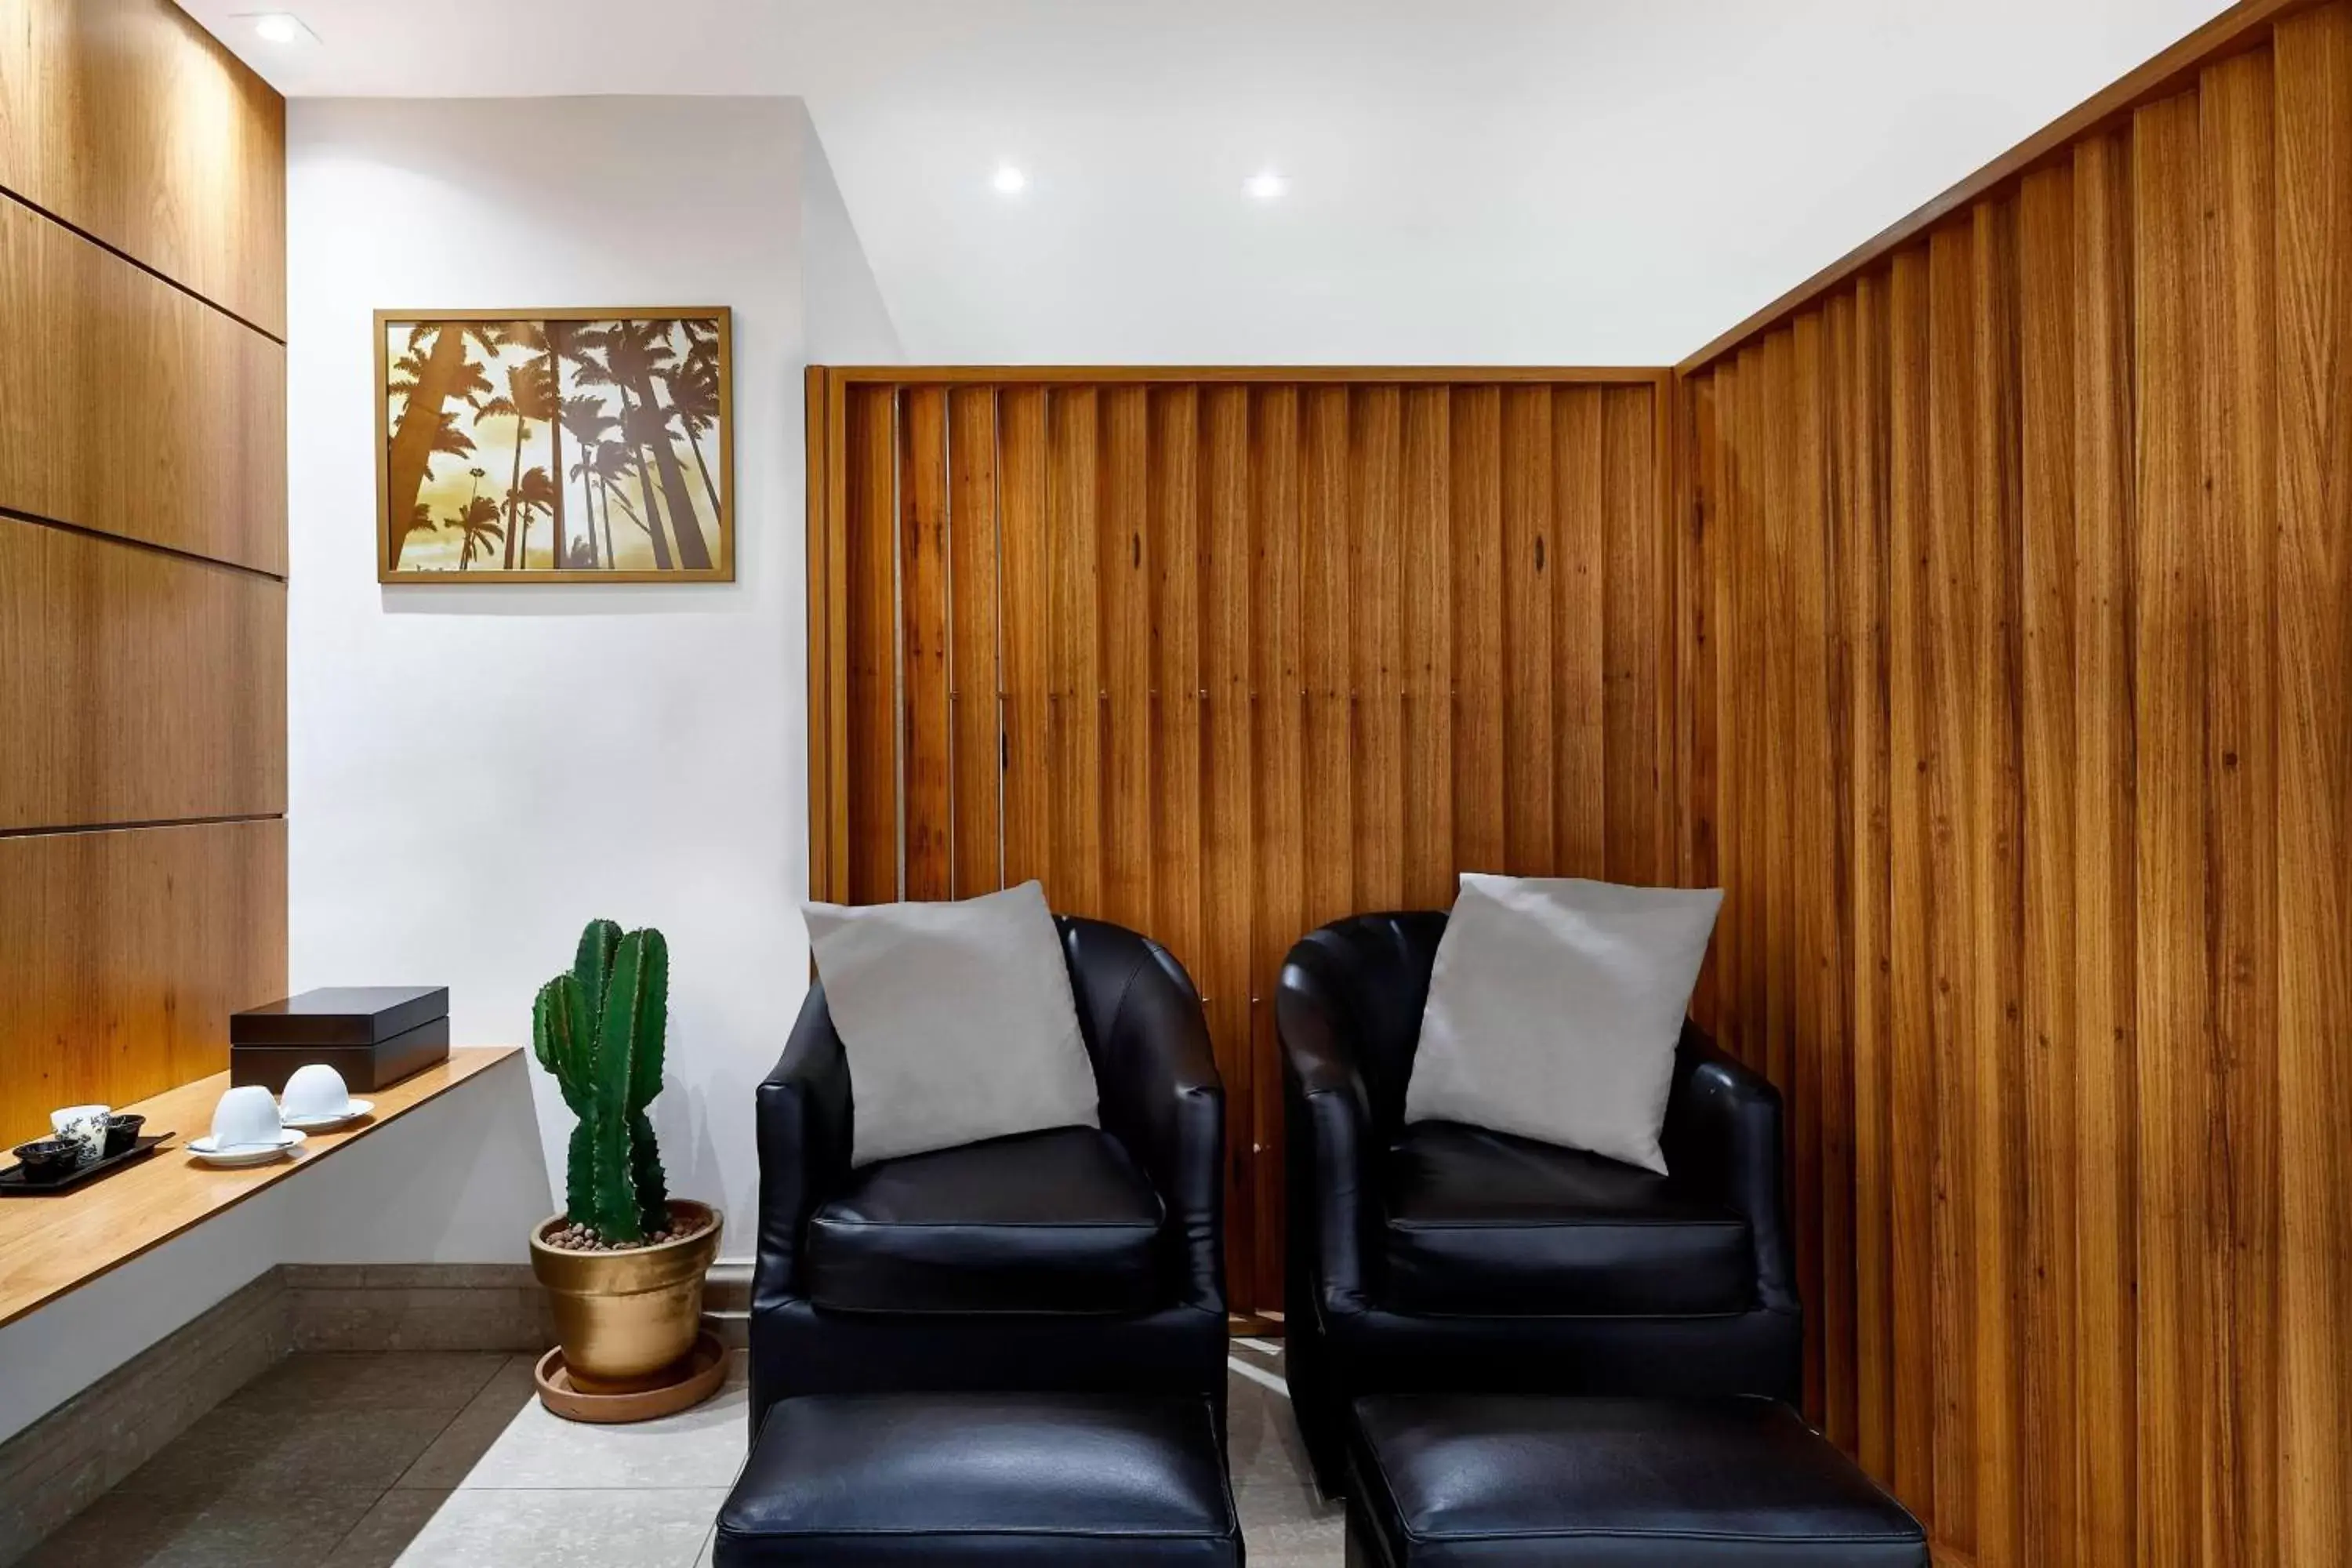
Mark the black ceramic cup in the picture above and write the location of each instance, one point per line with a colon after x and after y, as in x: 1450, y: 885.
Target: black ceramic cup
x: 49, y: 1158
x: 122, y: 1132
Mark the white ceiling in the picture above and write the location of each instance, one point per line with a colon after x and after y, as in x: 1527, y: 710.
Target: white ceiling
x: 1578, y: 180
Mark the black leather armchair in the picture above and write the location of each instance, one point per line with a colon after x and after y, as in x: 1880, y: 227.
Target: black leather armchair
x: 1437, y: 1257
x: 1070, y: 1258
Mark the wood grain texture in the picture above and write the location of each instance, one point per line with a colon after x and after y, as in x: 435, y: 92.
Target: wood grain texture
x: 134, y: 409
x: 124, y: 953
x: 126, y: 119
x: 2081, y: 441
x: 49, y: 1248
x: 140, y: 686
x: 1273, y: 650
x: 143, y: 552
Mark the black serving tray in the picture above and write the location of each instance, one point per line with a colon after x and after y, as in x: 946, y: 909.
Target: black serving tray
x: 13, y: 1183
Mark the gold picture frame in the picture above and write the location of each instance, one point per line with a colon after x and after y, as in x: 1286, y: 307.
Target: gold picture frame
x: 629, y: 414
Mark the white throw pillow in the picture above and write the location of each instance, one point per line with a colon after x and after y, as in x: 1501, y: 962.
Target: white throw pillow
x: 1555, y: 1008
x: 957, y: 1019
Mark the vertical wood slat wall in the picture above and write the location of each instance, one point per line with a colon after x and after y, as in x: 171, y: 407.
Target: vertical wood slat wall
x: 1224, y: 656
x: 2016, y: 676
x: 143, y: 552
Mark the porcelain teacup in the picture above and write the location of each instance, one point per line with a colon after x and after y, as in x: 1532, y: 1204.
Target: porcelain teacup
x: 85, y: 1124
x: 247, y: 1118
x: 316, y: 1093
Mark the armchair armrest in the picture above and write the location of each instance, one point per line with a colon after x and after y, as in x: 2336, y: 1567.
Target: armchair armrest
x: 1333, y: 1192
x: 1722, y: 1137
x: 803, y: 1115
x: 1161, y: 1095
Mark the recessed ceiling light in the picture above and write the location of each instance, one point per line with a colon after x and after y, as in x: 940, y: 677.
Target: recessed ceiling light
x: 279, y: 27
x: 1009, y: 180
x: 1266, y: 185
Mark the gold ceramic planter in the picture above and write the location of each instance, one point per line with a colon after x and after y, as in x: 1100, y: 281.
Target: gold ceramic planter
x: 626, y: 1319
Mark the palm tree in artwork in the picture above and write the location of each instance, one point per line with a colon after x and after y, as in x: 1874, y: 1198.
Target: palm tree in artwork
x: 449, y: 441
x: 432, y: 369
x: 694, y: 393
x: 592, y: 428
x: 528, y: 399
x: 536, y: 494
x: 631, y: 355
x: 478, y: 526
x: 614, y: 463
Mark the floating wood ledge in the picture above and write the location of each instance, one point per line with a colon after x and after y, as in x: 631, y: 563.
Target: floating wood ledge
x: 52, y: 1246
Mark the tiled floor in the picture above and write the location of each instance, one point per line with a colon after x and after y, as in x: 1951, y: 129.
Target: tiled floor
x: 433, y: 1460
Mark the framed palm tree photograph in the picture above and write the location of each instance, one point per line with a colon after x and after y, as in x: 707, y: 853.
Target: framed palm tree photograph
x: 572, y: 446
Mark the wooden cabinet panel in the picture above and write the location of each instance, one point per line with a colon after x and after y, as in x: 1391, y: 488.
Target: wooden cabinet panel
x: 134, y: 409
x: 140, y: 686
x: 123, y: 952
x: 127, y: 121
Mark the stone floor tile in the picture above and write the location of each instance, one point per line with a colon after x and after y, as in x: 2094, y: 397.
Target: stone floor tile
x: 620, y: 1528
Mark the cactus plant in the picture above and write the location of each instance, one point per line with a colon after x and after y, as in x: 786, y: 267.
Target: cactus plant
x: 598, y: 1029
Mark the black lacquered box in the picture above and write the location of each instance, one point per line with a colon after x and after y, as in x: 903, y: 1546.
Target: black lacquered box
x: 371, y: 1034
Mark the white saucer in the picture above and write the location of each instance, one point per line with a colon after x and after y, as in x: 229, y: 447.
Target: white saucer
x: 353, y: 1110
x: 245, y: 1154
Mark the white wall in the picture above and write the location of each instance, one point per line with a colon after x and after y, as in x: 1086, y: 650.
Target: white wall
x: 475, y: 771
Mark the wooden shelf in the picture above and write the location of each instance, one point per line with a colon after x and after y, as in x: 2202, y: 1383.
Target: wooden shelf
x: 52, y: 1246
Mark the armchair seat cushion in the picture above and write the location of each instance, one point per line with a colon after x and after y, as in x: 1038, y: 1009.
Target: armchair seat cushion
x: 1482, y: 1223
x: 1054, y: 1222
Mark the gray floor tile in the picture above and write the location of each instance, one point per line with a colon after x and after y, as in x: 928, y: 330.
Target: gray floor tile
x: 462, y: 1444
x: 241, y: 1530
x: 703, y: 1447
x: 386, y: 1531
x: 240, y: 1452
x: 613, y: 1528
x: 396, y: 1380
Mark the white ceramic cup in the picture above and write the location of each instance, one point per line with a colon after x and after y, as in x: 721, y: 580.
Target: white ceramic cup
x: 315, y: 1092
x: 85, y: 1124
x: 247, y: 1118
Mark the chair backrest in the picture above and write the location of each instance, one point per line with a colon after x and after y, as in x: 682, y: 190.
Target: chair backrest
x: 1375, y: 970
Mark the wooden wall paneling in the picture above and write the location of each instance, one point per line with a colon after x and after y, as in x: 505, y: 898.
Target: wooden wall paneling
x: 1126, y: 550
x: 1283, y: 802
x: 1700, y: 455
x: 2046, y: 788
x: 188, y: 453
x: 131, y: 947
x: 2104, y: 988
x: 1635, y: 590
x: 928, y: 812
x: 1476, y: 418
x: 1024, y: 580
x: 2238, y: 427
x: 1530, y: 666
x: 2313, y: 663
x: 1910, y: 888
x: 1328, y: 647
x: 126, y: 119
x: 1075, y: 710
x: 1376, y: 685
x: 871, y: 531
x: 1178, y: 675
x: 1880, y: 1148
x: 1583, y: 472
x: 1819, y: 1120
x: 821, y: 527
x: 1997, y: 1155
x: 1426, y: 587
x: 140, y: 686
x: 976, y: 779
x: 2176, y: 1044
x: 1226, y: 881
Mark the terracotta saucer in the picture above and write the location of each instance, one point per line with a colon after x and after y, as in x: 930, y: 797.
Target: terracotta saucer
x: 699, y: 1375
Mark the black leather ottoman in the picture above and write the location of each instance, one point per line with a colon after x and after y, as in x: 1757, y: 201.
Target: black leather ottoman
x: 939, y: 1480
x: 1545, y: 1481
